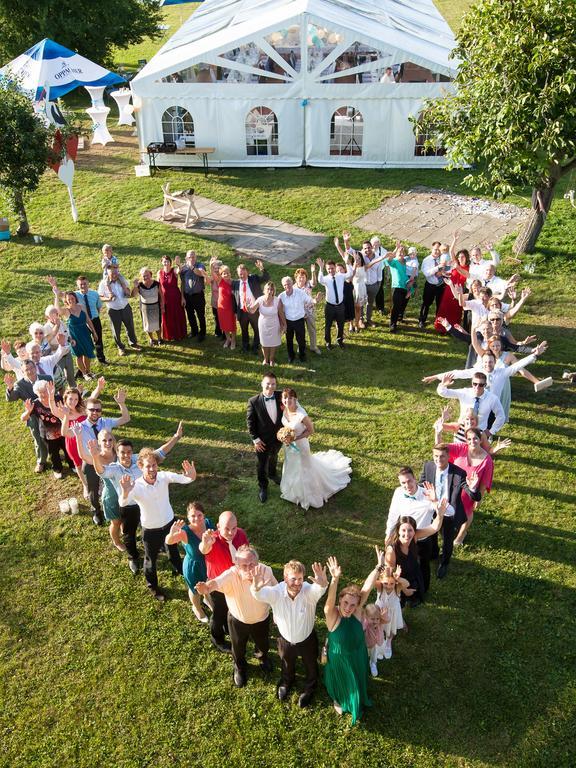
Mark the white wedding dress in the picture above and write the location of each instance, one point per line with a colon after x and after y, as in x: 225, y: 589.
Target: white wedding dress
x: 309, y: 479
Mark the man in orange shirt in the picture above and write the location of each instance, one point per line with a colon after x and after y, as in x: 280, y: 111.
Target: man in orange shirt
x: 247, y: 618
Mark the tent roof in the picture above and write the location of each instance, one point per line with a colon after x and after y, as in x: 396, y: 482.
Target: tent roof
x: 414, y: 27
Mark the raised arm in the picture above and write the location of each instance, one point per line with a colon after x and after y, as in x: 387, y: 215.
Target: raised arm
x: 330, y: 608
x: 168, y: 445
x: 372, y: 577
x: 120, y: 398
x: 176, y: 534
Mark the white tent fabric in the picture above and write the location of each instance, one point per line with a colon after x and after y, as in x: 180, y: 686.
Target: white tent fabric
x: 305, y: 105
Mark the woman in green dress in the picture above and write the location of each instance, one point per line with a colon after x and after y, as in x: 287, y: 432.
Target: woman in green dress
x: 347, y: 671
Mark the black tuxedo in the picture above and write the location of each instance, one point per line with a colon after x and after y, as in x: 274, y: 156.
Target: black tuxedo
x: 456, y: 486
x: 247, y: 319
x: 260, y: 425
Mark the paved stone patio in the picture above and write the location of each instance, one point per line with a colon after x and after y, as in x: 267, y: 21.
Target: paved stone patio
x: 422, y: 215
x: 250, y: 234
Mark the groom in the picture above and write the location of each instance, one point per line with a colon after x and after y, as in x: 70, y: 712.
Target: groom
x: 264, y: 419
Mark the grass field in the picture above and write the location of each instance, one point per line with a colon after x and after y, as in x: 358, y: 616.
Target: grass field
x: 94, y: 673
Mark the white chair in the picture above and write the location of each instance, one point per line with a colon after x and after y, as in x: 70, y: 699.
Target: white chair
x: 179, y: 205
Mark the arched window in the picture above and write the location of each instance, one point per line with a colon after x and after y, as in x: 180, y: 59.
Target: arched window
x: 261, y: 132
x: 177, y: 125
x: 425, y: 133
x: 346, y: 132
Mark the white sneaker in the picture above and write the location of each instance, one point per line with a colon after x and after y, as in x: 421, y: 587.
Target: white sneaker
x: 373, y: 669
x: 380, y: 657
x: 57, y: 475
x: 388, y: 650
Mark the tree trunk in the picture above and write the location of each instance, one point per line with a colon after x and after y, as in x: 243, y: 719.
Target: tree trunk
x: 541, y: 202
x: 20, y: 209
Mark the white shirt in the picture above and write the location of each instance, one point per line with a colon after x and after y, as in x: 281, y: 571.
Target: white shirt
x: 478, y: 310
x: 412, y: 266
x: 154, y: 498
x: 497, y: 378
x: 487, y: 403
x: 295, y: 304
x: 429, y: 268
x: 328, y: 282
x: 46, y: 364
x: 294, y: 618
x: 374, y: 274
x: 477, y: 270
x: 245, y: 292
x: 419, y: 507
x: 386, y: 78
x: 496, y: 285
x: 116, y: 290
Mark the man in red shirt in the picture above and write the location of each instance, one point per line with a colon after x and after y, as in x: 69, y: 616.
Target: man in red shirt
x: 219, y: 548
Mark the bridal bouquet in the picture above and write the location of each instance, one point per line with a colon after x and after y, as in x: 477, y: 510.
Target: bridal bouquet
x: 287, y: 436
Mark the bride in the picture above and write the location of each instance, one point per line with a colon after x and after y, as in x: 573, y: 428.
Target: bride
x: 309, y: 479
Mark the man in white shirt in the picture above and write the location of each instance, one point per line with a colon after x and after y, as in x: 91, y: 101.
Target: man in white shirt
x: 420, y: 503
x: 495, y: 377
x: 333, y: 284
x: 151, y: 493
x: 114, y: 291
x: 497, y: 285
x: 434, y: 272
x: 293, y: 604
x: 294, y: 302
x: 478, y: 264
x: 373, y: 273
x: 482, y: 403
x: 380, y: 271
x: 245, y: 290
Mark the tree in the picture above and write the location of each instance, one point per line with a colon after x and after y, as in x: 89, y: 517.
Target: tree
x: 24, y: 150
x: 93, y: 30
x: 512, y: 117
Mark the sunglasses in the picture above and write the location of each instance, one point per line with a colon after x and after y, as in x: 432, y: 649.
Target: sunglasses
x: 478, y: 384
x: 95, y: 410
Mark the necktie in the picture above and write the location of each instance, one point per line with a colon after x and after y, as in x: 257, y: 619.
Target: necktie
x: 40, y: 369
x: 440, y: 486
x: 267, y: 399
x: 95, y: 429
x: 335, y: 290
x: 87, y: 306
x: 476, y: 405
x: 244, y: 296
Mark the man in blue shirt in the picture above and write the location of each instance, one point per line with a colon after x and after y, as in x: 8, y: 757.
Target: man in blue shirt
x: 193, y: 275
x: 91, y: 304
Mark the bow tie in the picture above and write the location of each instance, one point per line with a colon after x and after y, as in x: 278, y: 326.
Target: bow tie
x: 407, y: 496
x: 267, y: 399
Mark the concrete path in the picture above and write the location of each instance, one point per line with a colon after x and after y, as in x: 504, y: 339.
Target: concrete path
x: 423, y: 215
x: 250, y: 234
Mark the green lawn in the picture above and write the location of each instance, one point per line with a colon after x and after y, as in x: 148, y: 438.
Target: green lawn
x: 94, y: 674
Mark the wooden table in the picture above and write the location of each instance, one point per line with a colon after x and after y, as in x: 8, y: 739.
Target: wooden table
x: 204, y: 151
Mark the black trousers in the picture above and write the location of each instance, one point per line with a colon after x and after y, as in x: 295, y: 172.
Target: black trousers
x: 449, y: 531
x: 425, y: 554
x: 296, y: 328
x: 333, y: 312
x: 119, y: 318
x: 267, y: 463
x: 398, y: 300
x: 93, y: 483
x: 154, y: 542
x: 217, y: 329
x: 99, y: 344
x: 432, y: 293
x: 219, y: 618
x: 54, y: 448
x: 196, y: 311
x: 379, y: 300
x: 240, y: 633
x: 247, y: 320
x: 289, y: 653
x: 130, y: 519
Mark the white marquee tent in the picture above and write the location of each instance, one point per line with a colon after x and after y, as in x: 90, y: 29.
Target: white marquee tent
x: 292, y: 82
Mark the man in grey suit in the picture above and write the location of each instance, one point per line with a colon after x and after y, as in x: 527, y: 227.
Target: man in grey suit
x: 23, y: 390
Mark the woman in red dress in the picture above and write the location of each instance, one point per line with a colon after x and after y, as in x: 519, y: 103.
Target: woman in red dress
x: 226, y: 314
x: 449, y: 305
x: 173, y: 317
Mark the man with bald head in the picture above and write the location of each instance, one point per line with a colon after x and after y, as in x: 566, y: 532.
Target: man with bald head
x: 247, y: 618
x: 219, y: 549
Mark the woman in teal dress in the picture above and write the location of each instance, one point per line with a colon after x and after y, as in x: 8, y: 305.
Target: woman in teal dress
x: 80, y: 328
x: 347, y: 671
x: 194, y: 566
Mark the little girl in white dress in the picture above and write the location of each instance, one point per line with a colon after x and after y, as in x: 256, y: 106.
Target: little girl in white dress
x: 389, y: 588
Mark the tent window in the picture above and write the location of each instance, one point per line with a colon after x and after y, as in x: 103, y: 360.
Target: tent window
x: 261, y: 132
x: 407, y: 72
x: 321, y: 41
x: 177, y: 125
x: 346, y: 132
x: 364, y: 62
x: 425, y: 134
x: 286, y: 43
